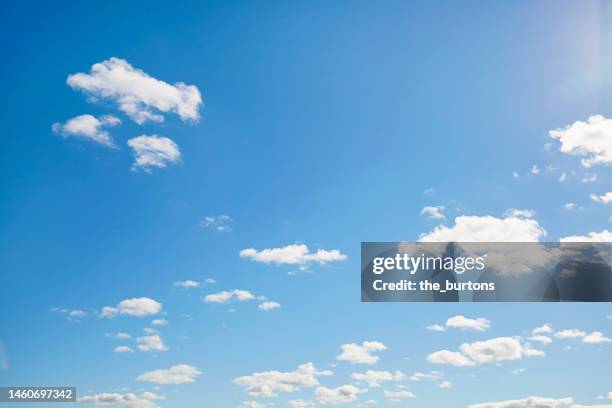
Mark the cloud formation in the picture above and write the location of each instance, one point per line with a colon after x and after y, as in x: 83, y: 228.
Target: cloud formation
x: 529, y: 402
x: 591, y: 139
x: 153, y: 151
x: 177, y: 374
x: 137, y: 94
x: 128, y: 400
x: 88, y: 127
x: 137, y: 307
x: 361, y: 354
x: 434, y: 212
x: 291, y: 255
x: 339, y: 395
x: 603, y: 236
x: 374, y: 378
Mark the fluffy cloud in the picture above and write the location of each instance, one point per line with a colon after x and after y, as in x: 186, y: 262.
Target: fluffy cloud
x: 434, y: 375
x: 434, y: 212
x: 269, y: 383
x: 123, y: 349
x: 397, y: 396
x: 361, y: 354
x: 177, y: 374
x: 596, y: 337
x: 227, y: 296
x: 375, y: 378
x: 159, y: 322
x: 514, y: 227
x: 535, y: 170
x: 570, y: 334
x: 591, y: 139
x: 544, y: 329
x: 481, y: 352
x: 88, y: 127
x: 529, y: 402
x: 128, y: 400
x: 220, y: 223
x: 464, y: 323
x: 151, y: 343
x: 603, y: 236
x: 137, y: 94
x: 339, y: 395
x: 605, y: 198
x: 153, y: 151
x: 267, y: 306
x: 292, y: 254
x: 137, y: 307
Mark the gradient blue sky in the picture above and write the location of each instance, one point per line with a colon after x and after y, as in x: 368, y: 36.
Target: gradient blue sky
x: 323, y: 123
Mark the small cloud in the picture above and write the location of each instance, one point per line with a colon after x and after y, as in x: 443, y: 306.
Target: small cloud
x: 153, y: 152
x: 605, y: 198
x: 187, y: 284
x: 515, y: 174
x: 570, y: 206
x: 563, y: 177
x: 429, y: 190
x: 177, y: 374
x: 436, y: 327
x: 88, y: 127
x: 220, y: 223
x: 267, y: 306
x: 137, y: 307
x: 120, y: 336
x: 361, y: 354
x: 535, y: 170
x: 435, y: 212
x: 518, y: 371
x: 123, y: 349
x: 151, y: 343
x: 227, y: 296
x: 292, y: 255
x: 159, y: 322
x: 589, y: 178
x: 72, y: 315
x: 445, y: 385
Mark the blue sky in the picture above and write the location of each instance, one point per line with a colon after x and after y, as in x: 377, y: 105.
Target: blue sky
x: 323, y: 124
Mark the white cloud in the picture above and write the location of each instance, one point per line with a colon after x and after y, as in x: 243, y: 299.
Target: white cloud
x: 436, y: 327
x: 545, y: 340
x: 511, y: 228
x: 434, y: 375
x: 465, y: 323
x: 544, y: 329
x: 123, y: 349
x: 529, y: 402
x: 570, y: 206
x: 605, y: 198
x: 153, y: 151
x: 159, y: 322
x: 300, y: 403
x: 137, y: 94
x: 251, y: 404
x: 591, y: 139
x: 563, y: 177
x: 88, y: 127
x: 361, y: 354
x: 445, y: 385
x: 73, y: 315
x: 187, y: 284
x: 120, y: 335
x: 515, y: 174
x: 128, y: 400
x: 269, y: 383
x: 220, y: 223
x: 535, y: 169
x: 151, y: 343
x: 227, y: 296
x: 481, y: 352
x: 339, y: 395
x: 292, y: 254
x: 592, y: 406
x: 177, y: 374
x: 267, y: 306
x: 603, y: 236
x: 375, y: 378
x: 397, y: 396
x: 137, y: 307
x: 596, y: 337
x: 570, y: 334
x: 589, y: 178
x: 434, y: 212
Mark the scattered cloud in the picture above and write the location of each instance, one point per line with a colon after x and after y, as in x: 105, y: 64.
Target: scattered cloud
x: 339, y: 395
x: 177, y: 374
x: 270, y: 383
x: 562, y: 177
x: 436, y: 327
x: 120, y: 336
x: 544, y: 329
x: 153, y: 151
x: 123, y: 349
x: 589, y: 178
x: 544, y: 340
x: 605, y: 198
x: 128, y: 400
x: 250, y: 404
x: 151, y: 343
x: 300, y: 403
x: 529, y: 402
x: 292, y: 254
x: 137, y: 307
x: 535, y: 170
x: 361, y: 354
x: 187, y: 284
x: 137, y: 94
x: 596, y: 337
x: 518, y: 371
x: 397, y: 396
x: 159, y: 322
x: 603, y: 236
x: 267, y: 306
x: 445, y: 385
x: 591, y: 139
x: 227, y: 296
x: 515, y: 174
x: 374, y: 378
x: 434, y: 375
x: 434, y: 212
x: 88, y: 127
x: 219, y: 223
x: 465, y: 323
x: 570, y: 206
x: 570, y: 334
x: 72, y: 315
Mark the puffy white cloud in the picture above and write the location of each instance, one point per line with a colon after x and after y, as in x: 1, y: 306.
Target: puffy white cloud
x: 591, y: 139
x: 177, y: 374
x: 570, y: 334
x: 529, y: 402
x: 300, y: 403
x: 187, y: 284
x: 465, y: 323
x: 361, y: 354
x: 88, y: 127
x: 227, y: 296
x: 604, y: 198
x: 544, y: 329
x: 267, y: 306
x: 375, y: 378
x: 123, y: 349
x: 514, y: 227
x: 137, y: 94
x: 436, y: 327
x: 596, y: 337
x: 128, y: 400
x: 220, y: 223
x: 481, y: 352
x: 269, y: 383
x: 435, y: 212
x: 434, y: 375
x: 137, y: 307
x: 153, y: 151
x: 397, y: 396
x: 151, y: 343
x: 159, y: 322
x: 292, y: 254
x: 339, y: 395
x: 603, y: 236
